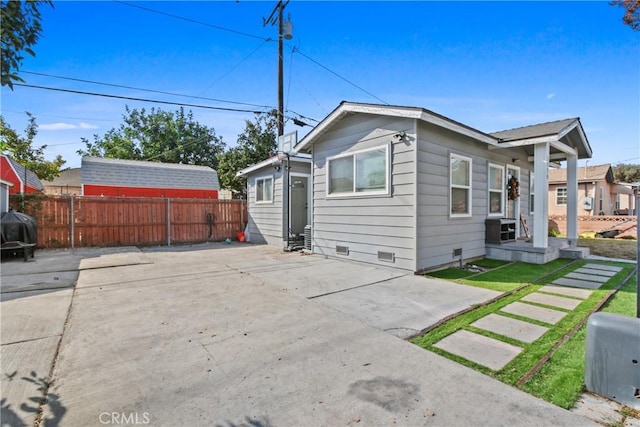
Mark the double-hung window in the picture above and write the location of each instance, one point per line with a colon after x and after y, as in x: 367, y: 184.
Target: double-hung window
x: 496, y: 189
x: 561, y: 196
x: 364, y: 172
x: 264, y: 189
x: 460, y: 185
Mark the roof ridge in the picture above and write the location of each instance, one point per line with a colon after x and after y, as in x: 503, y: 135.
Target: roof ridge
x: 536, y: 124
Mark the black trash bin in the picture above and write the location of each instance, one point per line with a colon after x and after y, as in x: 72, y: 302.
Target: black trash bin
x: 19, y: 233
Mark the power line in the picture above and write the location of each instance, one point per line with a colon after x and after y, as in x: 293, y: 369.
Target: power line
x: 142, y: 89
x: 338, y: 75
x: 182, y: 18
x: 60, y: 117
x: 131, y: 98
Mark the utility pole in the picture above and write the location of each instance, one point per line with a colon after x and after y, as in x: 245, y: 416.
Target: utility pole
x: 272, y: 19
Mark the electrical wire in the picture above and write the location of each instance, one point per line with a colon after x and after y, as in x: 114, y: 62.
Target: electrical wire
x: 193, y: 21
x: 339, y: 76
x: 131, y: 98
x: 60, y: 117
x: 142, y: 89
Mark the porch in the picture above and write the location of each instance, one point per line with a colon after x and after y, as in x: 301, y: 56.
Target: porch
x: 523, y: 250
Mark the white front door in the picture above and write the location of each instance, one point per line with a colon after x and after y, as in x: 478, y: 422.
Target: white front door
x: 513, y: 205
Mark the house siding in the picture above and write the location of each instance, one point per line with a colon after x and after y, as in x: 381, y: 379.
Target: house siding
x: 438, y: 234
x: 367, y: 224
x: 266, y: 220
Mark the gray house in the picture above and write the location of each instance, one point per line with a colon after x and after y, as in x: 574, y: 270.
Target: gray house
x: 409, y: 188
x: 267, y: 202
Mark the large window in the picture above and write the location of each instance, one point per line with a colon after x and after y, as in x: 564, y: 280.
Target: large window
x: 460, y: 181
x: 496, y: 190
x: 264, y: 190
x: 561, y: 196
x: 362, y: 172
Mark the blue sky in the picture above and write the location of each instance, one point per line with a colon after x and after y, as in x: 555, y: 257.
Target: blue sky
x: 490, y: 65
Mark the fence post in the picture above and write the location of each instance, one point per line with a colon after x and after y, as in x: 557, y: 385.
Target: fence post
x: 168, y: 222
x: 73, y: 222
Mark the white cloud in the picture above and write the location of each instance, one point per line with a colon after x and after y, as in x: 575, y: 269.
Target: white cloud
x: 66, y: 126
x: 551, y: 95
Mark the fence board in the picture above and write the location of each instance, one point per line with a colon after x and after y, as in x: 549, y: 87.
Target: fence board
x: 121, y: 221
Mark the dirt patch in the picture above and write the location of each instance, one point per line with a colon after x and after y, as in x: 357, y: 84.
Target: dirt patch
x: 611, y: 248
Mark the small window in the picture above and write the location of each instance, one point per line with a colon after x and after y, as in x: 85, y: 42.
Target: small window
x: 496, y: 190
x: 601, y: 201
x: 460, y: 181
x: 359, y: 173
x: 531, y: 192
x: 561, y: 196
x: 264, y: 190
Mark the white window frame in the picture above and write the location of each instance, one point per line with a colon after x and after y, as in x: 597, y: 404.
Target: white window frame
x: 353, y: 192
x: 501, y: 190
x: 601, y: 200
x: 558, y: 196
x: 469, y: 187
x: 264, y: 178
x: 532, y: 179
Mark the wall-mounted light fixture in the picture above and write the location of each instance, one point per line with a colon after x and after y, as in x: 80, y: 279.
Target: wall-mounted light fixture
x: 514, y: 160
x: 400, y: 136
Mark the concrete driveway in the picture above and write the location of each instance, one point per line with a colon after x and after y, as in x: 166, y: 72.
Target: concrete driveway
x: 234, y: 335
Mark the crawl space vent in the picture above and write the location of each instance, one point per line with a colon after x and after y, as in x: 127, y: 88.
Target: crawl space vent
x: 342, y: 250
x: 386, y: 256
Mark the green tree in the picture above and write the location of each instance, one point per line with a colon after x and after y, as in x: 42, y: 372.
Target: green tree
x: 20, y: 30
x: 624, y: 172
x: 21, y: 149
x: 160, y: 136
x: 254, y: 145
x: 632, y: 12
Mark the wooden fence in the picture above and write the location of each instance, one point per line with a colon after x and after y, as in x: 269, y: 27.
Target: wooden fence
x: 589, y: 223
x: 76, y: 221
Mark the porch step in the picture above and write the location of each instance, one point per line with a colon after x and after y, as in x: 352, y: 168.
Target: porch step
x: 575, y: 252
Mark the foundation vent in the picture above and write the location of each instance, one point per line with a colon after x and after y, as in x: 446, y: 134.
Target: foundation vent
x: 386, y: 256
x: 342, y: 250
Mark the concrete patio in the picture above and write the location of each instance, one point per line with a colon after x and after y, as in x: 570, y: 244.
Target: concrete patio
x: 241, y: 334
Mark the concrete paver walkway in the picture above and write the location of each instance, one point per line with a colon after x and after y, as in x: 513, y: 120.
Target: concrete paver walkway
x: 188, y: 338
x: 549, y: 304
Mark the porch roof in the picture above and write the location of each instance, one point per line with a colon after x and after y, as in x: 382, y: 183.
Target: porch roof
x: 564, y: 136
x: 300, y: 158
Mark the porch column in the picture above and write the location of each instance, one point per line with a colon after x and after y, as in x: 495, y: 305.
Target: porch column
x: 541, y: 196
x: 572, y: 200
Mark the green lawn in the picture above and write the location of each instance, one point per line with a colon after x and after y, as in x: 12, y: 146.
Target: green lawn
x: 560, y: 380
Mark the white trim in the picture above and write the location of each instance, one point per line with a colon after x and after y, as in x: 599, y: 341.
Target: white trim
x: 255, y: 195
x: 469, y: 187
x: 7, y: 183
x: 503, y: 187
x: 355, y: 193
x: 560, y: 146
x: 392, y: 111
x: 301, y: 158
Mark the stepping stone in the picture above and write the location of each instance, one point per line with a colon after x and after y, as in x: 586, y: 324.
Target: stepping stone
x: 563, y: 290
x: 512, y: 328
x: 587, y: 277
x: 542, y: 314
x: 563, y: 281
x: 477, y: 348
x: 552, y: 300
x: 602, y: 267
x: 593, y: 271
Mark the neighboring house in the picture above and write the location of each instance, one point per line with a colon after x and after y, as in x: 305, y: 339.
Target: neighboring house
x: 67, y: 183
x: 598, y: 193
x: 17, y: 175
x: 133, y: 178
x: 409, y: 188
x: 266, y: 198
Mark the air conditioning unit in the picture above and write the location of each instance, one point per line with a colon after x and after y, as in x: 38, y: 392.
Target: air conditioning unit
x: 307, y: 237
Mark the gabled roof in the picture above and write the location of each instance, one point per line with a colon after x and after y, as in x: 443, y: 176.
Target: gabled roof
x: 300, y: 158
x: 585, y: 173
x: 136, y: 173
x: 346, y: 108
x: 32, y: 179
x: 563, y: 135
x: 67, y: 178
x: 566, y: 134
